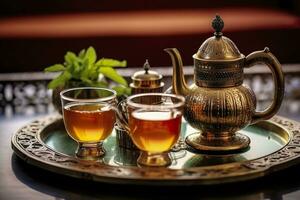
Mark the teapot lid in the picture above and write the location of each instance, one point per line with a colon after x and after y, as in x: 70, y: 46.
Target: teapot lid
x: 218, y: 47
x: 146, y: 77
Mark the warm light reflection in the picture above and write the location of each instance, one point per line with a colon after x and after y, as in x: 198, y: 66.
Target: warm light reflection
x: 137, y: 23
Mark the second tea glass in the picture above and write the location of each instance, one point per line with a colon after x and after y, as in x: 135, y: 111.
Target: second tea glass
x: 89, y: 118
x: 154, y: 123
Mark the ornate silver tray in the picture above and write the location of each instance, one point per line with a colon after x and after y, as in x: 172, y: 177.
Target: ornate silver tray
x: 275, y: 145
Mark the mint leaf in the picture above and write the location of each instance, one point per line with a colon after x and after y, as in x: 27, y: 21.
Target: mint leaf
x: 60, y: 80
x: 113, y: 75
x: 128, y: 91
x: 91, y: 55
x: 55, y: 68
x: 81, y: 54
x: 106, y: 62
x: 75, y: 70
x: 93, y: 73
x: 119, y: 89
x: 70, y: 57
x: 101, y: 84
x: 87, y: 81
x: 122, y: 90
x: 84, y: 69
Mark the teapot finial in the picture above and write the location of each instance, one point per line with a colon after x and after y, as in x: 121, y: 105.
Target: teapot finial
x: 218, y: 25
x: 146, y: 66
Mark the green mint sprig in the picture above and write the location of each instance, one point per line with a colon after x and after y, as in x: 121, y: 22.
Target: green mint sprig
x: 85, y: 69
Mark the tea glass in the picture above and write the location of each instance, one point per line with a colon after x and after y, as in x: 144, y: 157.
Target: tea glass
x: 154, y: 123
x: 89, y: 117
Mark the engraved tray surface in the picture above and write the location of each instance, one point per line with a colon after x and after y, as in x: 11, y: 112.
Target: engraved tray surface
x: 275, y: 144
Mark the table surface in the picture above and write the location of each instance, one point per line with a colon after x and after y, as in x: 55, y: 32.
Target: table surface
x: 22, y: 181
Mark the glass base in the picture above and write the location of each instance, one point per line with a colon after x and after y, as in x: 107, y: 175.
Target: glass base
x: 154, y: 159
x: 90, y: 151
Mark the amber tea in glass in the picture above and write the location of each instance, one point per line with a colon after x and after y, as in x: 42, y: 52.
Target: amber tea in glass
x: 154, y: 126
x: 164, y: 127
x: 89, y: 118
x: 88, y: 122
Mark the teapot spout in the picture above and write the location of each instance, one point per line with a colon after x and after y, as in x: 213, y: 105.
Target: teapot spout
x: 178, y: 81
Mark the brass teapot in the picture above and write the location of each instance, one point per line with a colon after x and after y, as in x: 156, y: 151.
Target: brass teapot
x: 218, y: 104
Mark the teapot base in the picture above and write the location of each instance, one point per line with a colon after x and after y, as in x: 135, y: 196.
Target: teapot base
x: 236, y: 142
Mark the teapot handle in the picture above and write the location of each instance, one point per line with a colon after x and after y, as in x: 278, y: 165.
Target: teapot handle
x: 266, y: 57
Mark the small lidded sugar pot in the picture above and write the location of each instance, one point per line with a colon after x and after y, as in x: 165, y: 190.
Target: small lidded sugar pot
x: 146, y: 81
x: 218, y: 104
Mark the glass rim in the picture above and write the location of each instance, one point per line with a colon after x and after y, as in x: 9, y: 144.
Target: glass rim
x: 92, y: 100
x: 140, y: 105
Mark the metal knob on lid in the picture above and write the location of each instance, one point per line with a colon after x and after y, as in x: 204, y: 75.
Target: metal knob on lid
x: 146, y: 80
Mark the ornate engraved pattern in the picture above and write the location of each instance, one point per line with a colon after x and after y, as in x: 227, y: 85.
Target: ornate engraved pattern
x: 218, y: 49
x: 218, y: 74
x: 219, y: 110
x: 289, y: 153
x: 28, y: 145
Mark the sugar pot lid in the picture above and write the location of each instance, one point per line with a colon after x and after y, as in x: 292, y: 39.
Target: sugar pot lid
x: 146, y: 78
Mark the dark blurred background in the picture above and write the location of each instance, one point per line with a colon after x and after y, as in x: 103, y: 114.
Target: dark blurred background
x: 35, y: 34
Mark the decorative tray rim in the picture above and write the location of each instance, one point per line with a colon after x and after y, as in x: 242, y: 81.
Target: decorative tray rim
x: 27, y: 144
